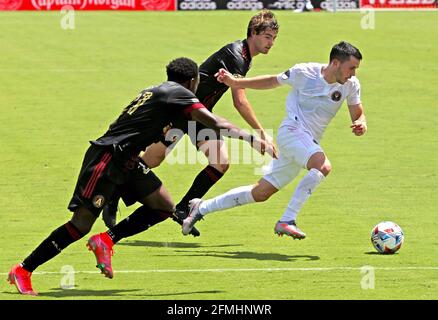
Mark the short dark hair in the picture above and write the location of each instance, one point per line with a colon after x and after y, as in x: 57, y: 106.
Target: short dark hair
x: 262, y: 21
x: 181, y: 70
x: 343, y: 51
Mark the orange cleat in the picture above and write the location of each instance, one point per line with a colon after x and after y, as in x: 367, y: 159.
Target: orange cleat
x: 102, y: 247
x: 21, y: 278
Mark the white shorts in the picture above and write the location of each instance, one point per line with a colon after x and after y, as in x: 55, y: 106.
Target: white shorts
x: 296, y: 146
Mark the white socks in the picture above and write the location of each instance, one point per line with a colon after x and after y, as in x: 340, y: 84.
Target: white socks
x: 242, y: 195
x: 303, y: 191
x: 233, y: 198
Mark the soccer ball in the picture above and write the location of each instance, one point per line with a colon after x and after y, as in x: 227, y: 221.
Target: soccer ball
x: 387, y: 237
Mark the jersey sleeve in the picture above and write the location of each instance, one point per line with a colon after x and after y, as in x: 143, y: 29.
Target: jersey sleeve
x: 188, y: 110
x: 236, y: 65
x: 288, y: 77
x: 354, y: 97
x: 235, y: 58
x: 184, y: 100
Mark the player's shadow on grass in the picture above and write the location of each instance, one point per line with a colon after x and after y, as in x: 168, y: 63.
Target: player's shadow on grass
x: 253, y: 255
x: 164, y: 244
x: 62, y: 293
x: 180, y: 293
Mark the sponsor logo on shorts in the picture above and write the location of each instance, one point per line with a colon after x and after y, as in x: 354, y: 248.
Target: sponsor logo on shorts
x: 98, y: 201
x: 337, y: 95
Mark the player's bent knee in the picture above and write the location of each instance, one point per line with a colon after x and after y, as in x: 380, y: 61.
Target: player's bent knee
x: 261, y: 196
x: 84, y: 227
x: 223, y: 167
x: 153, y: 162
x: 83, y: 220
x: 169, y: 207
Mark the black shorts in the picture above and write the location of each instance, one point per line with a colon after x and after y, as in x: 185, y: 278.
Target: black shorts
x: 196, y: 131
x: 100, y: 178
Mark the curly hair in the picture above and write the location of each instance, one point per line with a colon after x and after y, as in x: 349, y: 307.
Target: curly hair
x: 262, y: 21
x: 181, y: 70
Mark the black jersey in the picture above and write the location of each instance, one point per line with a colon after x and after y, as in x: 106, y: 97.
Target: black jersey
x: 234, y: 57
x: 148, y: 117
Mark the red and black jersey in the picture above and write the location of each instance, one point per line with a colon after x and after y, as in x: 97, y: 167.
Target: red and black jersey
x: 234, y: 57
x: 148, y: 117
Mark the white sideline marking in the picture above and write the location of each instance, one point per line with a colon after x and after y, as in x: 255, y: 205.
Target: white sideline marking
x: 240, y: 270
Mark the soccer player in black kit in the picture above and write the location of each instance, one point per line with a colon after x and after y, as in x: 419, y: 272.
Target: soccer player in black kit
x: 235, y: 57
x: 112, y: 163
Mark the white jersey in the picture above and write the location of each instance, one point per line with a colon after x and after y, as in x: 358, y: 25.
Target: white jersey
x: 312, y: 101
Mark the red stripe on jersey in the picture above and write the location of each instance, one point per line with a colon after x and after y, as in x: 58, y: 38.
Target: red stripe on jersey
x: 188, y: 110
x: 97, y: 173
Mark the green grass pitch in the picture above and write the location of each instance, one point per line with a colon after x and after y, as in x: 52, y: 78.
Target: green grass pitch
x: 61, y: 88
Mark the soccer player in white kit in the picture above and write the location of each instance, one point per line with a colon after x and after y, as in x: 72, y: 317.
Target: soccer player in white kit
x: 318, y: 91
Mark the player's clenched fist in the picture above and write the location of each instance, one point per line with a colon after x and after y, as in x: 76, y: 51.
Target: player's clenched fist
x: 263, y: 147
x: 359, y: 127
x: 226, y: 77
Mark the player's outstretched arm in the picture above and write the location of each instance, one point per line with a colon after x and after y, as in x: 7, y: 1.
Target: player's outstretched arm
x: 228, y: 129
x: 258, y: 83
x: 243, y: 106
x: 359, y: 124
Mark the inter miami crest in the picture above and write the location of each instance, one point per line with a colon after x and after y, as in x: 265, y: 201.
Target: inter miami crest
x: 336, y: 96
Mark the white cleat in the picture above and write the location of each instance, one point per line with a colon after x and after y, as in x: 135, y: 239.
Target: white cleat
x: 193, y: 217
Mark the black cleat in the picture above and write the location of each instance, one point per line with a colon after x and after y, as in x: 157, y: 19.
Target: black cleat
x: 179, y: 216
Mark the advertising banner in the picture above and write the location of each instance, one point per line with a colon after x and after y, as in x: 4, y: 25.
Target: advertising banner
x: 260, y: 4
x: 400, y: 4
x: 161, y: 5
x: 171, y: 5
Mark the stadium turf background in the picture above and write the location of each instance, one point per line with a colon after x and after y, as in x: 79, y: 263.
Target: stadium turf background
x: 60, y: 88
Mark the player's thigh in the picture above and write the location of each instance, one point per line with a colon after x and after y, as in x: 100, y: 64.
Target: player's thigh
x: 211, y: 143
x: 94, y: 186
x: 159, y: 199
x: 154, y: 154
x: 297, y: 144
x: 145, y: 187
x: 280, y: 172
x: 216, y: 151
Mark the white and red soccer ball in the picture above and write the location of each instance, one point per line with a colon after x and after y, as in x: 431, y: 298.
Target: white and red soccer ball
x: 387, y: 237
